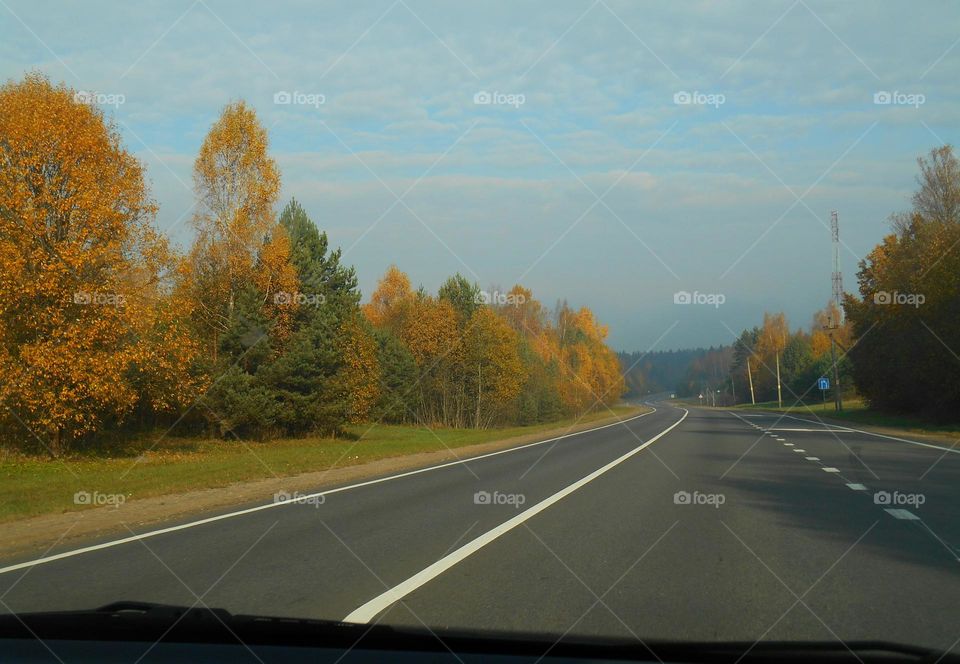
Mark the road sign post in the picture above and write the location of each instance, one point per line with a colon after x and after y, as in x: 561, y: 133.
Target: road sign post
x: 824, y: 385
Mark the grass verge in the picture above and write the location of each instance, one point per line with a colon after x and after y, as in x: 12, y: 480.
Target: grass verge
x: 30, y: 486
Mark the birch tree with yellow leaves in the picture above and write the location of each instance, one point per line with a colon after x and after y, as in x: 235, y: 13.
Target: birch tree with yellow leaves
x: 239, y: 242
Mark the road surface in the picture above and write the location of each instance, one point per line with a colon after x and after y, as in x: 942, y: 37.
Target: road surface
x: 702, y: 524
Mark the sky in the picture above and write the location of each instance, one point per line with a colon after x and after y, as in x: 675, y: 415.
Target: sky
x: 611, y: 153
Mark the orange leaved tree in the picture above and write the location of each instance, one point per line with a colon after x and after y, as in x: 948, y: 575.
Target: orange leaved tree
x: 83, y: 273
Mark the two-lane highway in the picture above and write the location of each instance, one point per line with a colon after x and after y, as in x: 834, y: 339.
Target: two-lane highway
x: 705, y: 524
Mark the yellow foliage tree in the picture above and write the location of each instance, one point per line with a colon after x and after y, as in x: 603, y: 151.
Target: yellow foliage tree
x: 492, y: 365
x: 390, y: 301
x: 83, y: 332
x: 827, y: 322
x: 362, y: 372
x: 239, y: 242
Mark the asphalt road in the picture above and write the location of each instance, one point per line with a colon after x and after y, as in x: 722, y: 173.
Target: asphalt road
x: 707, y: 524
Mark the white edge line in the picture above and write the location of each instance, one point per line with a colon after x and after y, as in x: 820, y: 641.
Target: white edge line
x: 880, y: 435
x: 368, y: 610
x: 301, y: 498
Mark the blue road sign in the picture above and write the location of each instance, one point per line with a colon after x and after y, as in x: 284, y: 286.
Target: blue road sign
x: 823, y: 383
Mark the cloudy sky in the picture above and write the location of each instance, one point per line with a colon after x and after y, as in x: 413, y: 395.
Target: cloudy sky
x: 609, y: 152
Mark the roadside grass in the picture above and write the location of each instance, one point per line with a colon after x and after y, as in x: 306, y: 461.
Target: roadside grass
x: 856, y: 411
x: 146, y: 467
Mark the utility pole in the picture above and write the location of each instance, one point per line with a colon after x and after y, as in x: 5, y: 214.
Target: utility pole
x: 837, y: 277
x: 779, y: 398
x: 837, y: 284
x: 837, y: 399
x: 753, y: 400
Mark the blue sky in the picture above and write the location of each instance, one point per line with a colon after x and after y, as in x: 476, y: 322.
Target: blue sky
x: 584, y: 179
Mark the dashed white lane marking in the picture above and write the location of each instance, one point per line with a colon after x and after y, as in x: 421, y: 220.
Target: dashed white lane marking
x: 788, y: 444
x: 812, y: 458
x: 797, y: 449
x: 807, y: 430
x: 898, y: 513
x: 781, y: 439
x: 831, y: 470
x: 856, y: 486
x: 371, y: 608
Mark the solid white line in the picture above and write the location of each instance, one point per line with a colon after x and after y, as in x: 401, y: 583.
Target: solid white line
x: 367, y: 611
x: 303, y: 498
x: 879, y: 435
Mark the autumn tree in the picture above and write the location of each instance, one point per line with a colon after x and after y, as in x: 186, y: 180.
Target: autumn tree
x: 361, y: 371
x: 491, y: 361
x: 771, y: 342
x: 539, y: 397
x: 390, y: 301
x: 431, y: 332
x: 906, y: 323
x: 480, y: 363
x: 239, y: 242
x: 85, y: 334
x: 589, y: 370
x: 826, y: 323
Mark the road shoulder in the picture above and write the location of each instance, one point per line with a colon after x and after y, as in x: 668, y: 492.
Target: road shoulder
x: 39, y: 533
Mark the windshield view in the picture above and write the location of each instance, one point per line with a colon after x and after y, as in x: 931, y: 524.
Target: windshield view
x: 595, y: 319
